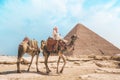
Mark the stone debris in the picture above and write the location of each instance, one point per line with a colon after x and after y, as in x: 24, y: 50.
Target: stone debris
x: 80, y: 68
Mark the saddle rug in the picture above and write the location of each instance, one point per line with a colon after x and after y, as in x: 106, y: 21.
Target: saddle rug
x: 51, y: 43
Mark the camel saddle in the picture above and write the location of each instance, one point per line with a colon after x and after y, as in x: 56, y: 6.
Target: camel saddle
x: 51, y: 44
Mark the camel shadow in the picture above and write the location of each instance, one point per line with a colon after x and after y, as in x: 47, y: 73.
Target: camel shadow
x: 7, y: 72
x: 24, y: 71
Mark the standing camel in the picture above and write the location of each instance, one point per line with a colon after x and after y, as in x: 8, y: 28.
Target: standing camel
x: 54, y: 46
x: 30, y: 47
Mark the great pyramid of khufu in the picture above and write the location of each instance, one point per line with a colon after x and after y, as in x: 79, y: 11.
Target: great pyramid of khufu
x: 90, y: 43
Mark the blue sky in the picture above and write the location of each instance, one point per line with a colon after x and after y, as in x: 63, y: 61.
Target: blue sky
x: 36, y: 19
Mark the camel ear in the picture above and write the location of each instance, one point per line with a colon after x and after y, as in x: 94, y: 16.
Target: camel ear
x: 72, y: 36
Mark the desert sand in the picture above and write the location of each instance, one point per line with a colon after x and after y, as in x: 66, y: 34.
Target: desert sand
x: 83, y: 67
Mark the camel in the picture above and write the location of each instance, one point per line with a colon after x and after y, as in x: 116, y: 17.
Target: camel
x: 30, y: 47
x: 54, y: 46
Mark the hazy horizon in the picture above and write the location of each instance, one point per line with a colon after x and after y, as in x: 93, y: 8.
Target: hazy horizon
x: 36, y: 19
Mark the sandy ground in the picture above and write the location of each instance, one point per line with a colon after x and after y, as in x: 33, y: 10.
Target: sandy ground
x: 82, y: 68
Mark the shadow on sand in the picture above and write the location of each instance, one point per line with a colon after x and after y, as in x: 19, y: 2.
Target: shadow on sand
x: 24, y: 71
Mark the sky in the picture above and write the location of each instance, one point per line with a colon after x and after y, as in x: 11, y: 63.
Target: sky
x: 36, y: 19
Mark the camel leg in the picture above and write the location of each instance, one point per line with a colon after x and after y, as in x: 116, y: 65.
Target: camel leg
x: 37, y: 57
x: 30, y: 63
x: 18, y: 65
x: 46, y: 55
x: 20, y: 54
x: 47, y: 62
x: 58, y: 63
x: 63, y: 64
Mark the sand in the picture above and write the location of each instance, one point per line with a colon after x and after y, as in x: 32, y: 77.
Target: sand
x: 82, y: 68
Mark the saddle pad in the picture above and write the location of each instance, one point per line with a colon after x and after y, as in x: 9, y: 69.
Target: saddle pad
x: 50, y: 44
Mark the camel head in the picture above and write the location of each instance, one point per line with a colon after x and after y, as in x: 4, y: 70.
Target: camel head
x: 73, y: 39
x: 43, y: 44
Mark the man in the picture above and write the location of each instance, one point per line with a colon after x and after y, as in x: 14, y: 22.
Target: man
x: 56, y: 35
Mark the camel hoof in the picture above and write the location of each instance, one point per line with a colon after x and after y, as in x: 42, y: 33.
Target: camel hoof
x: 57, y: 72
x: 18, y: 71
x: 28, y: 70
x: 38, y: 71
x: 49, y: 70
x: 61, y: 71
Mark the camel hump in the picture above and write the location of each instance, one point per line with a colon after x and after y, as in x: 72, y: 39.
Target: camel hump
x: 51, y: 43
x: 33, y: 44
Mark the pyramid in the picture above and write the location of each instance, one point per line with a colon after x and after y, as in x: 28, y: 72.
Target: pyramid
x: 90, y: 43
